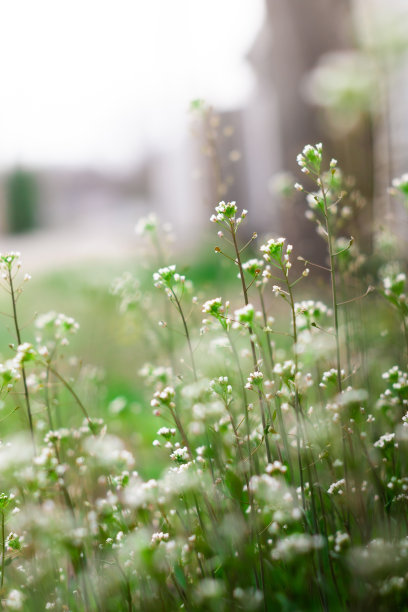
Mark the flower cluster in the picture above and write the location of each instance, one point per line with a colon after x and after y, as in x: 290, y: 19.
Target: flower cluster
x: 254, y: 267
x: 164, y: 398
x: 245, y: 315
x: 8, y: 262
x: 310, y: 159
x: 273, y: 249
x: 226, y: 214
x: 255, y: 379
x: 167, y: 277
x: 310, y: 312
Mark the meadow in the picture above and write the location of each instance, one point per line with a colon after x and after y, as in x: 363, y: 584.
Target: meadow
x: 224, y: 434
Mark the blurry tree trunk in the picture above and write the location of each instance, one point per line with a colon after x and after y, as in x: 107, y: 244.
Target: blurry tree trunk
x: 301, y: 31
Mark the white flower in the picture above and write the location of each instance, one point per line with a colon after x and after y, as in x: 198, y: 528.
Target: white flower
x: 14, y: 600
x: 337, y: 487
x: 146, y: 224
x: 245, y: 314
x: 160, y: 536
x: 180, y: 455
x: 385, y: 440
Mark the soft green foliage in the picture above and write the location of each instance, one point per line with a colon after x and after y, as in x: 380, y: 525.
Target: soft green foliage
x: 277, y: 479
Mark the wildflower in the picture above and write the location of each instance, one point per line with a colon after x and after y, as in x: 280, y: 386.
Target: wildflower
x: 276, y: 466
x: 146, y: 224
x: 337, y: 488
x: 286, y: 370
x: 25, y: 352
x: 8, y: 261
x: 9, y: 373
x: 14, y: 600
x: 214, y: 307
x: 330, y: 376
x: 164, y: 397
x: 159, y: 537
x: 341, y: 541
x: 180, y: 455
x: 273, y: 249
x: 253, y: 267
x: 66, y: 324
x: 13, y: 541
x: 225, y: 212
x: 166, y: 278
x: 254, y: 379
x: 297, y: 544
x: 310, y: 159
x: 245, y: 315
x: 221, y: 387
x: 166, y: 432
x: 385, y: 441
x: 394, y: 284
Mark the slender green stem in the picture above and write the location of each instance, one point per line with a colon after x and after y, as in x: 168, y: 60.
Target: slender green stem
x: 250, y: 330
x: 47, y: 399
x: 333, y: 286
x: 244, y: 396
x: 336, y: 325
x: 73, y: 393
x: 301, y: 431
x: 23, y: 372
x: 187, y: 333
x: 277, y: 400
x: 3, y: 548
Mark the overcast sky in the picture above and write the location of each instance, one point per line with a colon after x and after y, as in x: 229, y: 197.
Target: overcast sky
x: 99, y: 82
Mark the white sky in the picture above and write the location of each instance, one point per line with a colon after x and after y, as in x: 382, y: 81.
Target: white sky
x: 99, y: 82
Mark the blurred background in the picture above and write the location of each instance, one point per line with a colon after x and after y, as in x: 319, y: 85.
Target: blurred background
x: 111, y: 110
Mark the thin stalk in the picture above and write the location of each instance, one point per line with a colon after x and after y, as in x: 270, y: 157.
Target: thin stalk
x: 3, y: 548
x: 244, y: 395
x: 181, y: 430
x: 267, y: 332
x: 18, y: 334
x: 301, y: 434
x: 47, y: 399
x: 190, y: 348
x: 128, y: 591
x: 255, y: 362
x: 336, y: 326
x: 333, y: 287
x: 73, y: 393
x: 277, y: 400
x: 298, y: 408
x: 253, y: 349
